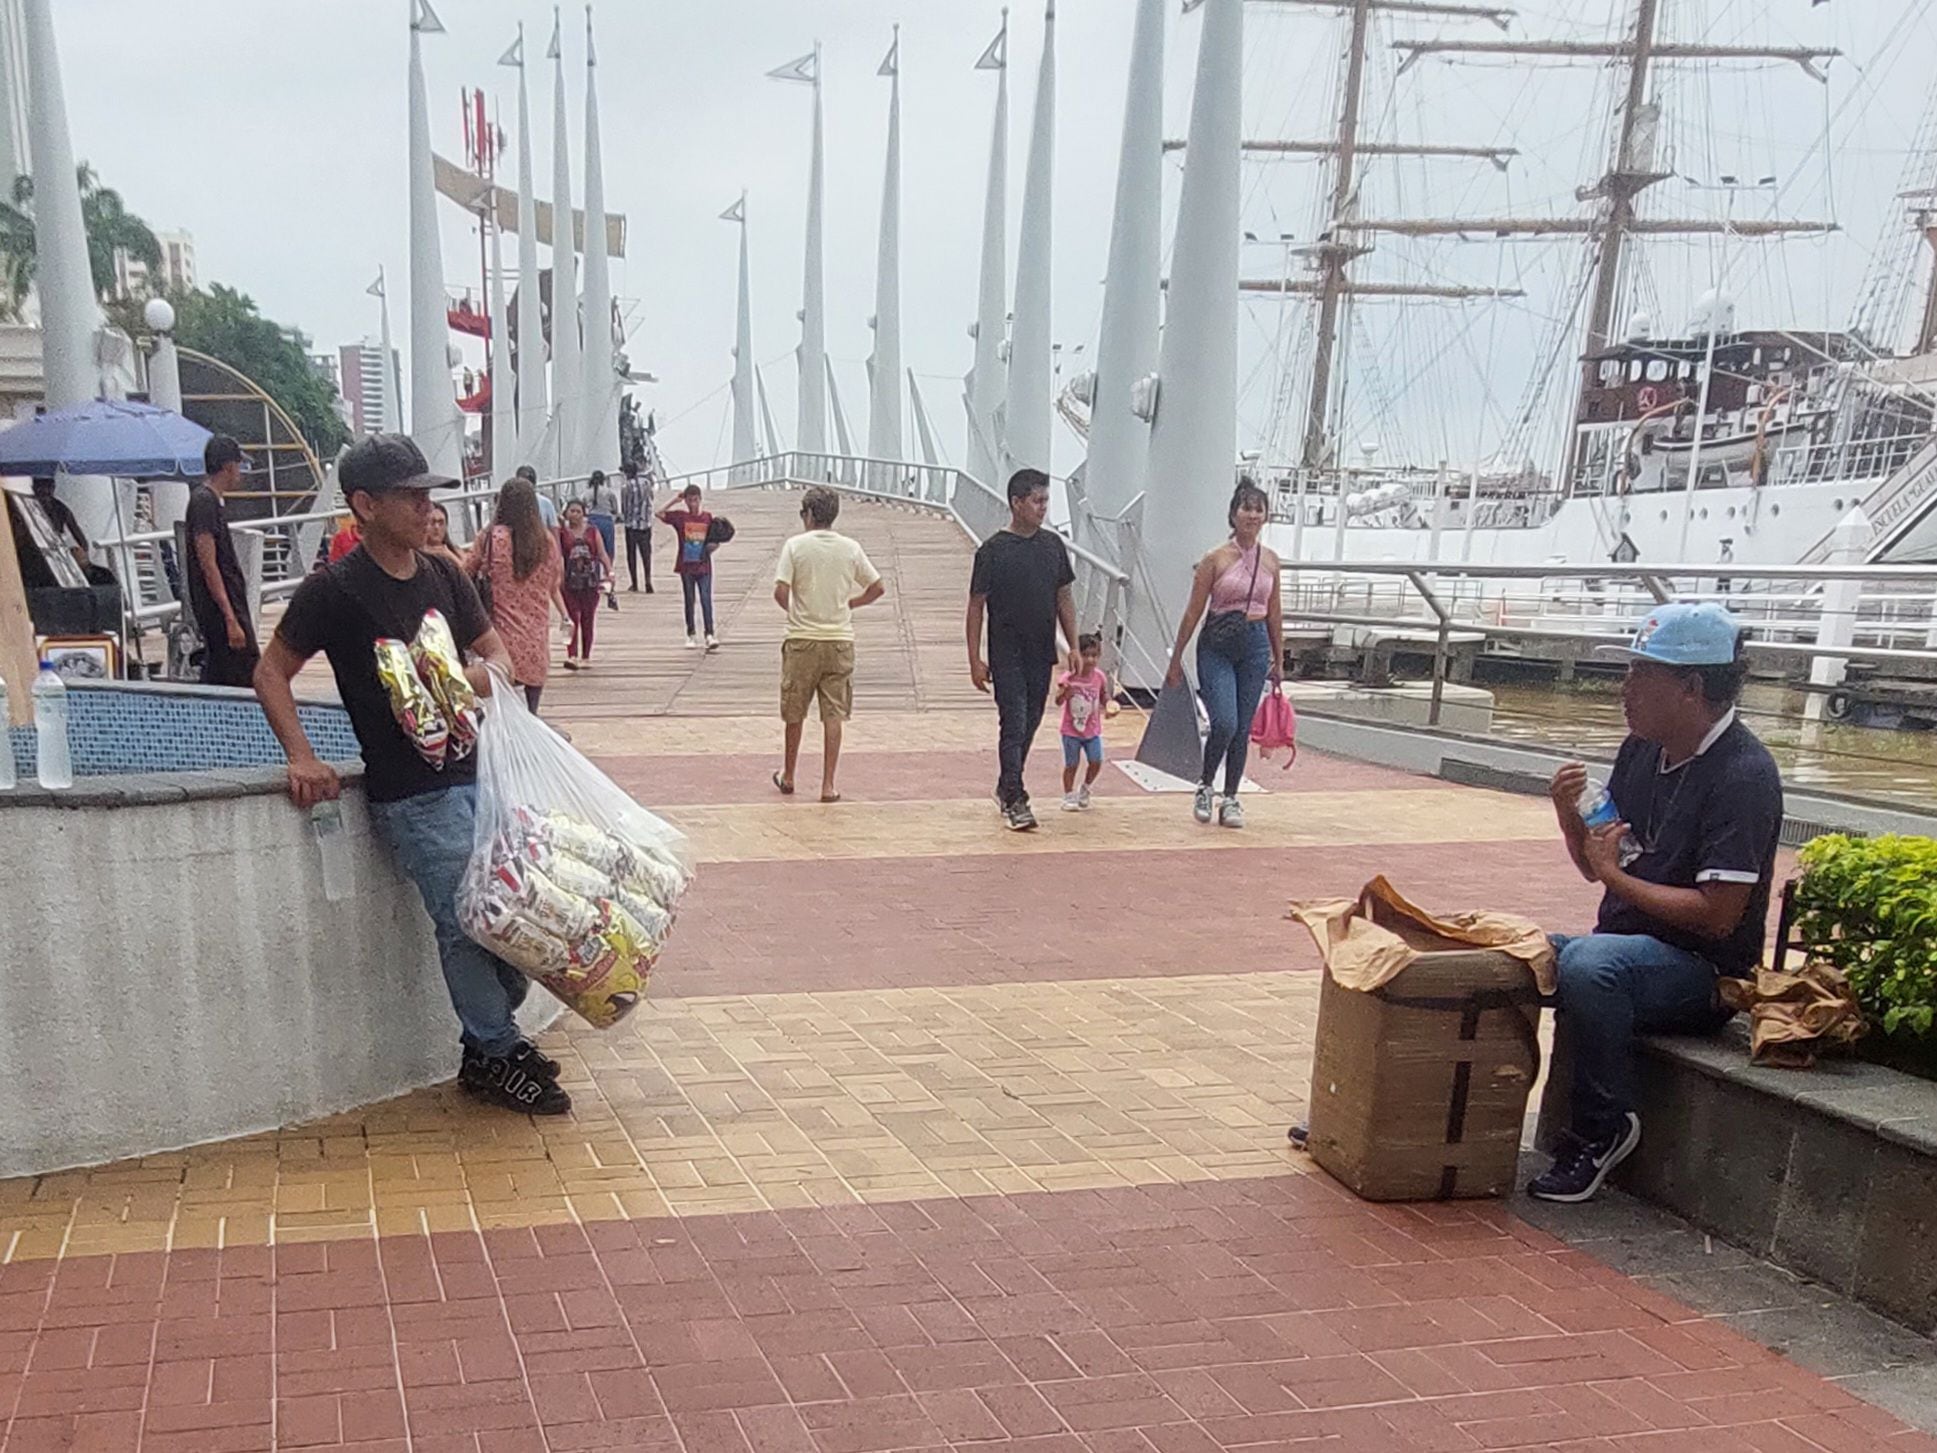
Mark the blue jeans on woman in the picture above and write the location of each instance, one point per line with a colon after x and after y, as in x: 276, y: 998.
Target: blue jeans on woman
x: 430, y: 837
x: 1230, y: 691
x: 700, y: 586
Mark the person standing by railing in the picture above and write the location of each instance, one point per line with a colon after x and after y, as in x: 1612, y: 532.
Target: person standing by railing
x: 217, y: 593
x: 1241, y: 647
x: 635, y: 514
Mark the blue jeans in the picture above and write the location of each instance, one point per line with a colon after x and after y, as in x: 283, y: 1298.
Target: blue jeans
x: 702, y: 587
x: 1230, y: 692
x: 430, y: 837
x: 1077, y: 748
x: 1612, y: 987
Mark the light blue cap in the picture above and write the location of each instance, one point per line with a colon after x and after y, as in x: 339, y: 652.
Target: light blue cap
x: 1684, y: 633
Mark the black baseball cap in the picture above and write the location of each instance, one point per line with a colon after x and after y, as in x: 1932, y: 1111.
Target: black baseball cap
x: 384, y: 462
x: 222, y: 449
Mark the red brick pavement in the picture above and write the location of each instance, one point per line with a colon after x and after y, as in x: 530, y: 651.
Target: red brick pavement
x: 1255, y: 1315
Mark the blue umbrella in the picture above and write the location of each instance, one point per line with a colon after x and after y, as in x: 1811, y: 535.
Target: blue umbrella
x: 107, y: 436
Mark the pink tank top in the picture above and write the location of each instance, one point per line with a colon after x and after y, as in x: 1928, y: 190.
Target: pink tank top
x: 1245, y: 585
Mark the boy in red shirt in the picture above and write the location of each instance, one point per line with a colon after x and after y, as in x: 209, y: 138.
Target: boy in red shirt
x: 693, y: 560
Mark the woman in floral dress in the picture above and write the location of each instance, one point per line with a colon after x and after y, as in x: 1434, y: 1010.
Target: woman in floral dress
x: 519, y: 556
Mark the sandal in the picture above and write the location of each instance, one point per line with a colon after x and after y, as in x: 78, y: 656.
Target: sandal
x: 830, y: 797
x: 786, y: 787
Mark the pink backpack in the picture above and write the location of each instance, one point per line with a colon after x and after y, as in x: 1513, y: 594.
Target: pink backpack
x: 1276, y: 726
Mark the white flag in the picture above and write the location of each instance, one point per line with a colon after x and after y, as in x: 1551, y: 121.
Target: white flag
x: 996, y: 57
x: 375, y: 289
x: 425, y: 22
x: 515, y: 56
x: 591, y: 50
x: 556, y: 48
x: 737, y: 212
x: 1190, y: 5
x: 807, y: 69
x: 892, y: 65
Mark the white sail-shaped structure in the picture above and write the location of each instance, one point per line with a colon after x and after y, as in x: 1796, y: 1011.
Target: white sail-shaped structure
x: 534, y: 394
x: 987, y: 378
x: 568, y: 368
x: 745, y: 417
x: 435, y: 422
x: 884, y: 368
x: 1026, y: 436
x: 599, y: 445
x: 811, y: 429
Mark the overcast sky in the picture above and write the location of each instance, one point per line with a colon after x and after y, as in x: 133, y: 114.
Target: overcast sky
x: 274, y: 131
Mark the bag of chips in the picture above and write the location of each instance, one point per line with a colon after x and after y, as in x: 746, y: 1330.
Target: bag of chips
x: 570, y: 881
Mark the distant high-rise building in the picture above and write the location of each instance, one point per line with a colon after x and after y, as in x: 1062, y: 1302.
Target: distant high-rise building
x: 369, y: 388
x: 131, y: 277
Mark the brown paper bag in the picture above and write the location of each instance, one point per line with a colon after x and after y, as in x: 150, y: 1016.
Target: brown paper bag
x: 1364, y: 941
x: 1794, y: 1017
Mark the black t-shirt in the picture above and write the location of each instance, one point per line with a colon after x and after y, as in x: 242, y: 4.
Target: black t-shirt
x: 1715, y: 818
x: 342, y: 611
x: 1019, y: 576
x: 206, y: 516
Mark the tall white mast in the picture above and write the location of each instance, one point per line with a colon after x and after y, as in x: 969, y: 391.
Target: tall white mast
x: 1031, y: 351
x: 434, y: 419
x: 390, y: 415
x: 745, y: 420
x: 599, y: 448
x: 568, y: 369
x: 986, y: 380
x: 533, y: 403
x: 504, y: 407
x: 69, y: 314
x: 1133, y: 288
x: 811, y: 431
x: 884, y: 369
x: 1193, y: 442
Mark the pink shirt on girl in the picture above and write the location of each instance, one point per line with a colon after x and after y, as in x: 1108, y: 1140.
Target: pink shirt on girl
x: 1083, y: 706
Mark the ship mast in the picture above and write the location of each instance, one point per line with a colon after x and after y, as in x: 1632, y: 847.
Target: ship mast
x: 1630, y: 173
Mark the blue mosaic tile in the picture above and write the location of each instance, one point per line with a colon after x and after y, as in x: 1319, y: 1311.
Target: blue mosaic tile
x: 132, y: 728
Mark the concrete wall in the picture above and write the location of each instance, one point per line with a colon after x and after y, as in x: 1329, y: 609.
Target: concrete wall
x: 172, y: 973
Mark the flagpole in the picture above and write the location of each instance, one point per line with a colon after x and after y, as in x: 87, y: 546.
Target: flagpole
x: 434, y: 420
x: 1031, y: 353
x: 599, y: 448
x: 568, y: 368
x: 533, y: 402
x: 745, y: 442
x: 1132, y: 291
x: 811, y: 431
x: 986, y: 380
x: 504, y: 410
x: 884, y: 369
x: 390, y: 418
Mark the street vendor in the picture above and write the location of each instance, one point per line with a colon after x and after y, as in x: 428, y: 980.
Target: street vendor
x: 1685, y: 858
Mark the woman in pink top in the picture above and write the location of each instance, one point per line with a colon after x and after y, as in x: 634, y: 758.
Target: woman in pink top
x: 1241, y: 647
x: 519, y: 557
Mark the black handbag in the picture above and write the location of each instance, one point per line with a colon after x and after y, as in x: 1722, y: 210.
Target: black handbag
x: 1227, y: 632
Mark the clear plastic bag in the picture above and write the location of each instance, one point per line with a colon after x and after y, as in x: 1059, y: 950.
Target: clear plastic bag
x: 570, y: 881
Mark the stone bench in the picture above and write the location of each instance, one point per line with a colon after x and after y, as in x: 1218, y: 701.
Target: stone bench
x: 1830, y: 1172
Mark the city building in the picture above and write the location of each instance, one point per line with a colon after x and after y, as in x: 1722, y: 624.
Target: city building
x: 131, y: 279
x: 369, y: 388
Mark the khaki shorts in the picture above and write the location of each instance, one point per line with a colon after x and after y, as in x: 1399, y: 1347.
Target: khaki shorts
x: 810, y: 668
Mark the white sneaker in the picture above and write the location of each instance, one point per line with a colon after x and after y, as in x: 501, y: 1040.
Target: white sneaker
x: 1230, y: 813
x: 692, y: 643
x: 712, y: 642
x: 1083, y: 796
x: 1201, y: 804
x: 1072, y: 802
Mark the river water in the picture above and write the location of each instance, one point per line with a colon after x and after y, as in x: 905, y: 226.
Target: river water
x: 1898, y: 767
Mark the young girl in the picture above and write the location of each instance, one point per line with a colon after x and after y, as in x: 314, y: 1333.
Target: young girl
x: 587, y: 568
x: 1082, y: 696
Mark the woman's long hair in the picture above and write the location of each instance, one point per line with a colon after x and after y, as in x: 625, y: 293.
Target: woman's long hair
x: 1247, y: 492
x: 518, y: 512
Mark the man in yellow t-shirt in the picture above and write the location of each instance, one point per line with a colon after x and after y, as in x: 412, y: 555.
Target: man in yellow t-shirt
x: 821, y: 580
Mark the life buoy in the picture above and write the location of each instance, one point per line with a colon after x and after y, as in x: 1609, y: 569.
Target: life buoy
x: 1646, y: 397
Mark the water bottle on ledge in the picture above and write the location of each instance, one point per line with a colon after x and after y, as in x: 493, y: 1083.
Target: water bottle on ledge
x: 54, y: 763
x: 1597, y: 810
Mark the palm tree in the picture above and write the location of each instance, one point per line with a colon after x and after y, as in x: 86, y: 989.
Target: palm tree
x: 111, y: 228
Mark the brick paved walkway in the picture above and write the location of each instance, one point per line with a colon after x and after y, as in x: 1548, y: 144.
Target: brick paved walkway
x: 931, y: 1138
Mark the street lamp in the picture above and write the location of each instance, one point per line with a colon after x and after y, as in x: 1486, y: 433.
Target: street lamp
x: 1728, y: 185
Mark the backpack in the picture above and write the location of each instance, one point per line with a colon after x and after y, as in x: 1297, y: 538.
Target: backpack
x: 1275, y: 726
x: 581, y: 562
x: 720, y: 531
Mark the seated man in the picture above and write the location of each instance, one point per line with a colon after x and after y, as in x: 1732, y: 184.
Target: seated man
x: 1686, y: 864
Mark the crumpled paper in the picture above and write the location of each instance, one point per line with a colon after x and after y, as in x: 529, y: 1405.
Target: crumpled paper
x: 1794, y: 1017
x: 1362, y: 947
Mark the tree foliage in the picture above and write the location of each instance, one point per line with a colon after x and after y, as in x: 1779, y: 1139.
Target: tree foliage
x: 225, y: 323
x: 109, y: 225
x: 1869, y: 906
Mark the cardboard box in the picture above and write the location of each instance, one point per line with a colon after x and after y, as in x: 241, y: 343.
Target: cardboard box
x: 1419, y: 1087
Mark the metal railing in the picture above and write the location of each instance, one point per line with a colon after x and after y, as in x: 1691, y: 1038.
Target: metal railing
x: 1601, y: 604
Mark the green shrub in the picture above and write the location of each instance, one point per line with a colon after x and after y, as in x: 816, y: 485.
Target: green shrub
x: 1869, y: 906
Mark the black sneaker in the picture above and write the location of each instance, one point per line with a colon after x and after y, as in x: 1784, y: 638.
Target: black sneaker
x: 1018, y: 817
x: 544, y: 1063
x: 1581, y: 1165
x: 516, y: 1081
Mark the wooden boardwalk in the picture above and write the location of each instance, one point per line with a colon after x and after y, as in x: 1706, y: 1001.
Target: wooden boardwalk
x: 908, y: 647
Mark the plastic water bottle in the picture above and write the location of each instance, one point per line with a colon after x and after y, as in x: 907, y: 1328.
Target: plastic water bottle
x: 7, y: 775
x: 1597, y: 810
x: 54, y: 762
x: 326, y: 821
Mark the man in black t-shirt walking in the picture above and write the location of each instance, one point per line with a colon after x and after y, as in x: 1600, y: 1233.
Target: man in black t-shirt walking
x: 1687, y: 857
x: 217, y: 593
x: 1021, y: 586
x: 424, y: 812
